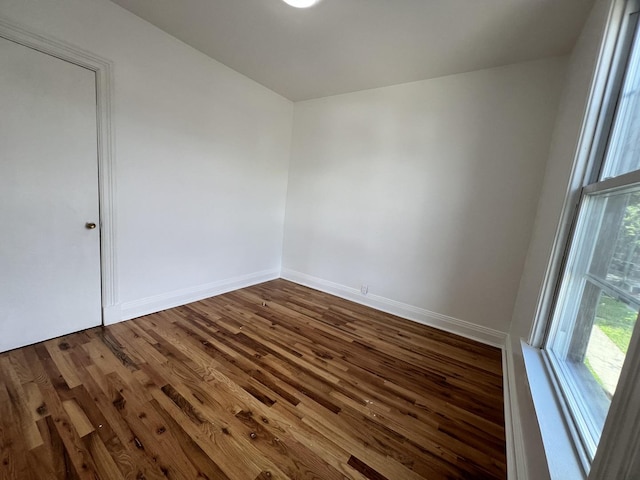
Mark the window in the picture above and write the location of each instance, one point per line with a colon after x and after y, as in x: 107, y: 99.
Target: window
x: 598, y: 295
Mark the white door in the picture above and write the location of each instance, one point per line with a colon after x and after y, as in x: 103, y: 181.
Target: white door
x: 49, y: 257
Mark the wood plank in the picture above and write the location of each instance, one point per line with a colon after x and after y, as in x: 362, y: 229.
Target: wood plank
x: 78, y: 418
x: 13, y: 461
x: 20, y: 405
x: 274, y: 381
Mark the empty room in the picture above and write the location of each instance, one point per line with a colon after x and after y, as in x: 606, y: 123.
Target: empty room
x: 330, y: 239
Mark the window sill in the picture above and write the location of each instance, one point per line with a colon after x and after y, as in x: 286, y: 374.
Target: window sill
x: 562, y: 457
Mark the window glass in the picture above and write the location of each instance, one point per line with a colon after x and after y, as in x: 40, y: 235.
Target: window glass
x: 623, y: 151
x: 600, y: 299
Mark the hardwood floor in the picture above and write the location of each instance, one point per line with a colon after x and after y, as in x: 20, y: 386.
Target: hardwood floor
x: 274, y: 381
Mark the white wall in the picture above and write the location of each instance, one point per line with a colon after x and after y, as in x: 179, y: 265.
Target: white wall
x: 425, y: 191
x: 542, y: 262
x: 557, y: 186
x: 201, y: 155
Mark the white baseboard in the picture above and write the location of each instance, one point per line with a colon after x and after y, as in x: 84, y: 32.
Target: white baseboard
x: 516, y: 457
x: 111, y: 314
x: 157, y: 303
x: 463, y: 328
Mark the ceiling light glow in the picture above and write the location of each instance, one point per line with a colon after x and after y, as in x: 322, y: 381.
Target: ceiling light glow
x: 301, y: 3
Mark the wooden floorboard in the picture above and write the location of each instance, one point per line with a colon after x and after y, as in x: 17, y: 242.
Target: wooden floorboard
x: 274, y: 381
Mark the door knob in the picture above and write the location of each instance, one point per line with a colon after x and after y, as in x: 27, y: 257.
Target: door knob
x: 90, y: 225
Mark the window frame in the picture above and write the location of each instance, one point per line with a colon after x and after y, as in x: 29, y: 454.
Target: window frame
x: 573, y: 381
x: 589, y: 187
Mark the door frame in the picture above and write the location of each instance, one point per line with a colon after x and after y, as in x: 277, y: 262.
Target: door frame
x: 103, y: 70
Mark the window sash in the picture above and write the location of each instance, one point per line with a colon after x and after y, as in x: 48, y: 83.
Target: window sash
x: 585, y: 428
x: 586, y: 406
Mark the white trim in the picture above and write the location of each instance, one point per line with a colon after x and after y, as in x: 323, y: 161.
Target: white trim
x: 111, y: 314
x: 463, y: 328
x: 563, y: 459
x: 509, y: 417
x: 164, y: 301
x: 516, y: 452
x: 103, y: 70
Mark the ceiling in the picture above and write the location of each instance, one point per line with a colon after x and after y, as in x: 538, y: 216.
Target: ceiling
x: 341, y: 46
